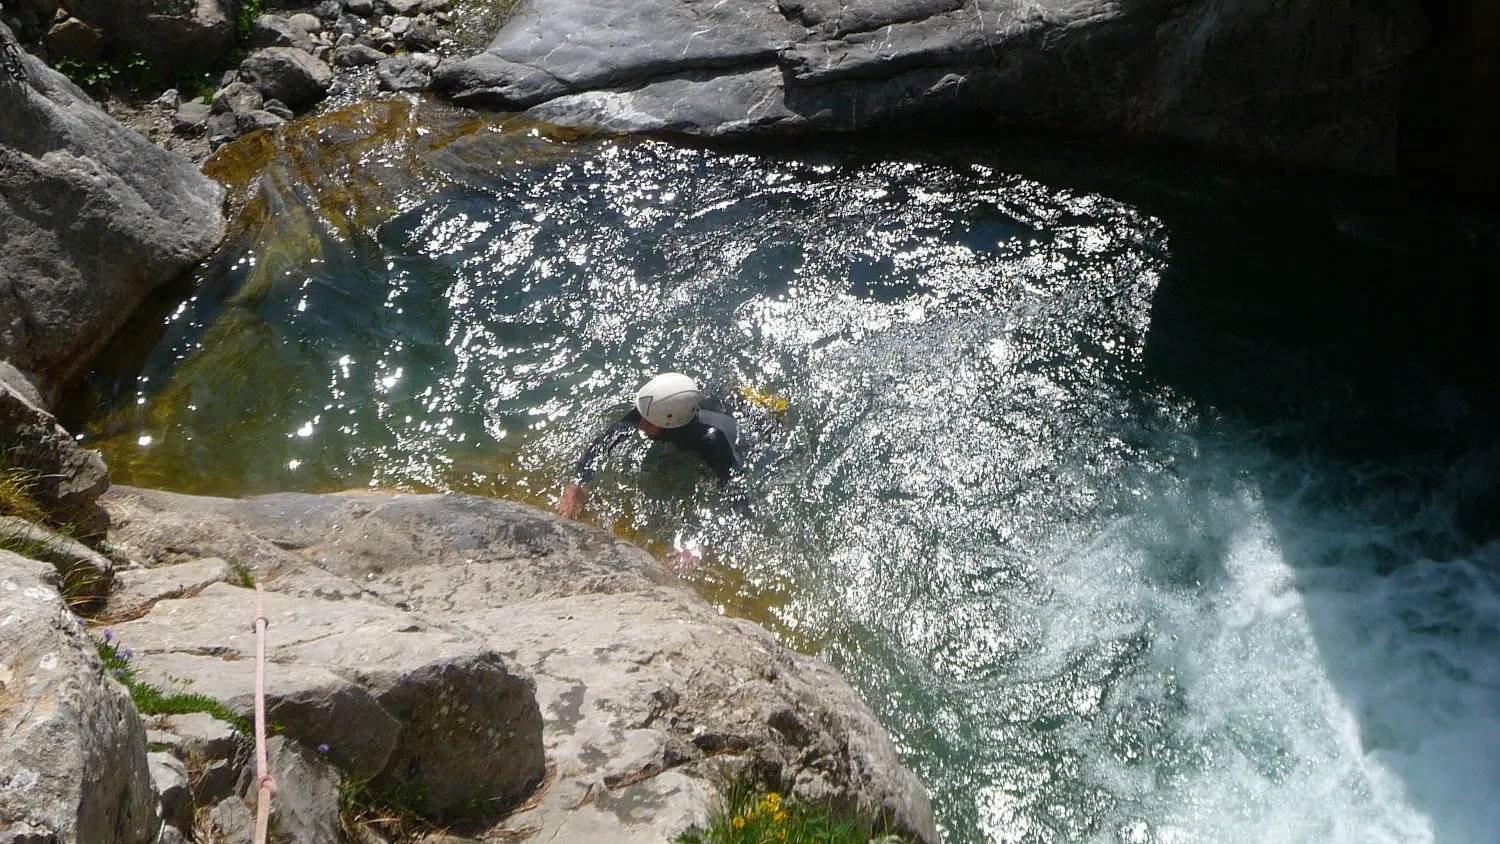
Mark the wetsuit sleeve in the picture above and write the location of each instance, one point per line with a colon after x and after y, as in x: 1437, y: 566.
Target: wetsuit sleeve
x: 600, y: 448
x: 718, y: 452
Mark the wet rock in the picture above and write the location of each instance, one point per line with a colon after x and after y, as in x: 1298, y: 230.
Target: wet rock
x: 363, y: 8
x: 237, y: 98
x: 254, y: 121
x: 287, y: 74
x: 402, y: 7
x: 74, y: 39
x: 172, y: 34
x: 356, y: 55
x: 407, y: 72
x: 279, y: 108
x: 190, y: 117
x: 86, y: 574
x: 399, y: 26
x: 68, y: 478
x: 436, y: 5
x: 96, y: 218
x: 277, y: 31
x: 170, y: 99
x: 72, y: 749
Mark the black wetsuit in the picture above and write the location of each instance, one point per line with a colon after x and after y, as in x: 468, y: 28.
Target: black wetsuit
x: 711, y: 434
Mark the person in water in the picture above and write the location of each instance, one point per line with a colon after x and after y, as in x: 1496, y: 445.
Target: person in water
x: 669, y: 407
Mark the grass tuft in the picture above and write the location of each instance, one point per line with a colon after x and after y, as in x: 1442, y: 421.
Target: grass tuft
x: 152, y: 700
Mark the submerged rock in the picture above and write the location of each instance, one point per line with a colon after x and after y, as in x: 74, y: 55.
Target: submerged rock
x: 96, y: 218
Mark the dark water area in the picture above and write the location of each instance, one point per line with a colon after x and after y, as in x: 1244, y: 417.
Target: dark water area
x: 1143, y: 501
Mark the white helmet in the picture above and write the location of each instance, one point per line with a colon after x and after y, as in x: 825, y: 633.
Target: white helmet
x: 670, y: 400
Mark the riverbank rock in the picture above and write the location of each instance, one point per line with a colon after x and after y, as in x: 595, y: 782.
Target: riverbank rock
x: 86, y: 574
x: 67, y: 478
x: 1315, y: 83
x: 72, y: 749
x: 649, y: 698
x: 419, y: 709
x: 287, y: 74
x: 172, y: 34
x: 96, y: 218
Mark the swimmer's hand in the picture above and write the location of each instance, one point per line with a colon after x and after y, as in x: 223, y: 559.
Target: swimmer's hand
x: 572, y: 500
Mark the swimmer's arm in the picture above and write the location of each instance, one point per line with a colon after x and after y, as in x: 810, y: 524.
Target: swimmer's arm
x: 575, y: 494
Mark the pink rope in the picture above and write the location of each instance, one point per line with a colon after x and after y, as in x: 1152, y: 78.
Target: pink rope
x: 262, y: 774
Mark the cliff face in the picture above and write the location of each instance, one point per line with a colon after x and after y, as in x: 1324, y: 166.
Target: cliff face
x: 1450, y: 112
x: 1372, y: 89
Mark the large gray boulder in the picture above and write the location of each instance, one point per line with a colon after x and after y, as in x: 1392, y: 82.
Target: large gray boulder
x: 419, y: 709
x: 173, y: 34
x: 96, y: 217
x: 72, y: 749
x: 287, y: 74
x: 650, y: 698
x: 68, y: 478
x: 1317, y: 82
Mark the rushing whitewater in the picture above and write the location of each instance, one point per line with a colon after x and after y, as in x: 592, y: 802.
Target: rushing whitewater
x: 1088, y: 605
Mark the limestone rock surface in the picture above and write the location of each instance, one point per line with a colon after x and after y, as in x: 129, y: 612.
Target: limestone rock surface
x: 1312, y: 83
x: 648, y: 696
x: 394, y: 696
x: 96, y: 218
x: 72, y: 749
x: 68, y: 477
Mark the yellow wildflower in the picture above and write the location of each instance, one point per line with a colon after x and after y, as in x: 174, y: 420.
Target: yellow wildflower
x: 779, y: 817
x: 773, y: 798
x: 750, y: 815
x: 739, y: 822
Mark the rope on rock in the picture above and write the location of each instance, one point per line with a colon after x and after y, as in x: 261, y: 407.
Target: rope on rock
x: 262, y: 775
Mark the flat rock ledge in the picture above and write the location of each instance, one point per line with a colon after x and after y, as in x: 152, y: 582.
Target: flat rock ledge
x: 1255, y: 79
x: 621, y: 699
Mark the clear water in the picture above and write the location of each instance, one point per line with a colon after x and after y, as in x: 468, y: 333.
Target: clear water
x: 1126, y: 531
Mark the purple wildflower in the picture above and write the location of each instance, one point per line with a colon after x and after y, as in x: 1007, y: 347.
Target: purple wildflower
x: 82, y: 624
x: 323, y: 749
x: 120, y: 673
x: 108, y: 634
x: 130, y: 653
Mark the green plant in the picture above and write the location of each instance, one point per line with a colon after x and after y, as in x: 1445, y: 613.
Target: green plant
x: 246, y: 577
x: 130, y: 70
x: 751, y: 815
x: 151, y: 700
x: 394, y: 816
x: 17, y: 486
x: 244, y: 16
